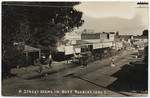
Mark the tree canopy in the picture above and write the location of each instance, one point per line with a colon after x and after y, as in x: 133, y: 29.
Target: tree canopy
x: 145, y: 33
x: 39, y: 24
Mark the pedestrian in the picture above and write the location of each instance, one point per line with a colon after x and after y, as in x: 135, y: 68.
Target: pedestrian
x: 43, y: 59
x: 40, y: 68
x: 84, y: 60
x: 42, y: 62
x: 112, y: 62
x: 119, y: 50
x: 84, y: 63
x: 50, y: 60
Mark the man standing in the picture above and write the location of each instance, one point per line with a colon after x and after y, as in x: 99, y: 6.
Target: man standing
x: 50, y: 60
x: 112, y: 62
x: 42, y: 62
x: 84, y: 60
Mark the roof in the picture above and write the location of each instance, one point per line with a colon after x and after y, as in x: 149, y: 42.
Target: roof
x: 79, y: 42
x: 28, y: 48
x: 90, y: 36
x: 112, y: 32
x: 141, y: 37
x: 125, y: 37
x: 63, y: 42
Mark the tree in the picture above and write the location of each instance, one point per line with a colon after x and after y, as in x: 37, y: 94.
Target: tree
x: 145, y: 33
x: 117, y: 33
x: 146, y: 55
x: 39, y: 24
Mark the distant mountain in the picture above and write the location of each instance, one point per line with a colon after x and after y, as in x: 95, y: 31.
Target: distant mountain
x: 124, y: 26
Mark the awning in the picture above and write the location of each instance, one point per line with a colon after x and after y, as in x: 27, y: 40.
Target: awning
x: 81, y: 42
x: 30, y: 49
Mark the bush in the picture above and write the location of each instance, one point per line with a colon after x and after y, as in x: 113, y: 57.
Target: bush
x: 145, y: 60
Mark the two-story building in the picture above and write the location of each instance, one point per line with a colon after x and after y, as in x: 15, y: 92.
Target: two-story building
x: 140, y: 41
x: 123, y: 41
x: 98, y: 37
x: 140, y: 38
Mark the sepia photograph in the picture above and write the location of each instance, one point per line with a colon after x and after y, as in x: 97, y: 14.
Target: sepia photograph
x: 74, y: 48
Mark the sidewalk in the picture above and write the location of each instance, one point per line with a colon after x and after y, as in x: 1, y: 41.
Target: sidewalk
x: 99, y: 74
x: 32, y: 72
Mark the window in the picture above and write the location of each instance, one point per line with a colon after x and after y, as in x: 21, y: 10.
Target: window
x: 107, y: 36
x: 142, y: 40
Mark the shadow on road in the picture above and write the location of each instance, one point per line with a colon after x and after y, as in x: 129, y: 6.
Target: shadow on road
x: 131, y: 78
x: 52, y: 71
x: 86, y: 80
x: 136, y: 53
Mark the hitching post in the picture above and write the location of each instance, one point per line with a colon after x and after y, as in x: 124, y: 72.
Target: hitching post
x: 26, y: 60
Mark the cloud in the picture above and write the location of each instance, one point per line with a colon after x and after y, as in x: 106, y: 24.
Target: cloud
x: 113, y: 16
x: 110, y: 9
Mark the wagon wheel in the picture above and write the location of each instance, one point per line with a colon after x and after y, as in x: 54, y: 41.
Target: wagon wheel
x: 92, y: 58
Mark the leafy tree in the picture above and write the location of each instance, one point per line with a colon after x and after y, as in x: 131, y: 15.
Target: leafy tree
x: 39, y: 24
x: 145, y: 33
x: 117, y: 33
x: 146, y: 55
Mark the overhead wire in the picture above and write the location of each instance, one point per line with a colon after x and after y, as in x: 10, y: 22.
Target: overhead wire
x: 35, y: 5
x: 125, y: 28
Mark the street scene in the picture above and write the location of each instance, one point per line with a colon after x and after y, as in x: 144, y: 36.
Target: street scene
x: 75, y: 49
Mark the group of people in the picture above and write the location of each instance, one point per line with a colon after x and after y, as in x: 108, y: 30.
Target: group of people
x: 43, y: 59
x: 84, y: 61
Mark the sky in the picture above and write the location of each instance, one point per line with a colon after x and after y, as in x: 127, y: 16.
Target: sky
x: 126, y: 17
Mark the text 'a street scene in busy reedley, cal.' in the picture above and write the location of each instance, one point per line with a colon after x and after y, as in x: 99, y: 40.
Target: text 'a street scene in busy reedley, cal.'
x: 75, y: 48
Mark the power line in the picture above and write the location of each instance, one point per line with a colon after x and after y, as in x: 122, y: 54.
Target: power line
x: 36, y: 5
x: 133, y: 27
x: 126, y: 28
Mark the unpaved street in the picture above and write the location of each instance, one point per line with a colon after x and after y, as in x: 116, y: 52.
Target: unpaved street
x: 78, y: 81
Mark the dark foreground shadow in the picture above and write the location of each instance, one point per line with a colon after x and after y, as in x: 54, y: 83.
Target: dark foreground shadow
x: 131, y: 78
x: 9, y: 76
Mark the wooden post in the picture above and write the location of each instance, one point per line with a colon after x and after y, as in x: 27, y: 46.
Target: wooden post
x: 40, y: 55
x: 64, y: 57
x: 67, y: 60
x: 26, y: 60
x: 40, y: 65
